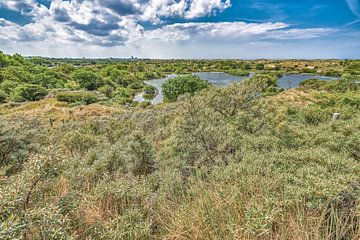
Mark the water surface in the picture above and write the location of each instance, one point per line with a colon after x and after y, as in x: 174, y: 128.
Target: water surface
x: 224, y: 79
x: 294, y: 80
x: 215, y: 78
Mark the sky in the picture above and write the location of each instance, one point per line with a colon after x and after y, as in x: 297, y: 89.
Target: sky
x: 240, y: 29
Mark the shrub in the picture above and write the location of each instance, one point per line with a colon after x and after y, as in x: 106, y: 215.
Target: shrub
x: 72, y: 85
x: 107, y: 90
x: 7, y: 86
x: 86, y: 78
x: 28, y: 92
x: 315, y: 84
x: 149, y: 92
x: 2, y: 96
x: 271, y: 91
x: 77, y: 97
x: 238, y: 72
x: 17, y: 140
x: 260, y: 66
x: 175, y: 87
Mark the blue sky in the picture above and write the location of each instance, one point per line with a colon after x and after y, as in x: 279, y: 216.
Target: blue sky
x: 182, y: 28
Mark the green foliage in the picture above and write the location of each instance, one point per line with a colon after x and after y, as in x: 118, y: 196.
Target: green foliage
x: 142, y: 155
x: 260, y: 66
x: 3, y: 96
x: 8, y: 86
x: 17, y: 141
x: 77, y: 97
x: 86, y: 78
x: 238, y: 72
x: 313, y: 84
x: 149, y: 92
x: 28, y: 92
x: 72, y: 85
x: 175, y: 87
x: 226, y: 163
x: 107, y: 90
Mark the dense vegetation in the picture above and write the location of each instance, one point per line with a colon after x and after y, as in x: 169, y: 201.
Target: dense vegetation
x: 247, y: 161
x: 175, y: 87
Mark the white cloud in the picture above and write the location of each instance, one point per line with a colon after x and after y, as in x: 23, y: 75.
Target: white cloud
x: 107, y: 27
x: 236, y: 32
x: 200, y: 7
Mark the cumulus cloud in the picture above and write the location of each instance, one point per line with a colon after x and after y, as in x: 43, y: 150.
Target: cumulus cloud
x: 24, y: 6
x: 104, y: 24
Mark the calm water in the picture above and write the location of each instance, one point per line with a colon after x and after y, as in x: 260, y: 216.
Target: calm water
x: 224, y: 79
x: 215, y: 78
x: 293, y: 80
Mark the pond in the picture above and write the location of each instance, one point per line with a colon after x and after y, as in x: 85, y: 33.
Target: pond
x: 293, y: 80
x: 224, y: 79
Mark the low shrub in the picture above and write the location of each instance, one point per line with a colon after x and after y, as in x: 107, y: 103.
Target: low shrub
x: 313, y: 84
x: 28, y: 92
x: 77, y: 97
x: 2, y: 96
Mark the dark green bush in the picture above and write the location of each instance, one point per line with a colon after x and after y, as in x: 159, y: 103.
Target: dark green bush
x: 77, y: 97
x: 86, y: 78
x: 149, y: 92
x: 28, y: 92
x: 2, y: 96
x: 175, y: 87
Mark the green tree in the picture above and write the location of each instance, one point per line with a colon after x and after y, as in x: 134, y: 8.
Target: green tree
x: 175, y: 87
x: 86, y: 78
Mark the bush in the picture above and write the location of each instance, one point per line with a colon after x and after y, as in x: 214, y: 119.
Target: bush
x: 86, y: 78
x: 271, y: 91
x: 28, y: 92
x: 238, y: 72
x: 175, y: 87
x: 17, y: 140
x: 77, y: 97
x: 72, y: 85
x: 315, y: 84
x: 8, y: 86
x: 2, y: 96
x: 107, y: 90
x: 149, y: 92
x: 260, y: 66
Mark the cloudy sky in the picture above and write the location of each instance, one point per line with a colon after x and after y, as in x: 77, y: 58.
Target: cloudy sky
x: 181, y: 28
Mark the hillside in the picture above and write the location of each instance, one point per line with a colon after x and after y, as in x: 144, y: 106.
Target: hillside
x: 246, y: 161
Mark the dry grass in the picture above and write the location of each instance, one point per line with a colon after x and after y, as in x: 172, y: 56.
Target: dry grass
x: 52, y: 110
x: 297, y: 97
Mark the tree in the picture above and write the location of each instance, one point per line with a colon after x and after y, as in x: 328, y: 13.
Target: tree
x: 175, y: 87
x: 28, y: 92
x: 86, y: 78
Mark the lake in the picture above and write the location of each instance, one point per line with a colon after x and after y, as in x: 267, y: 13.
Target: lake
x: 224, y: 79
